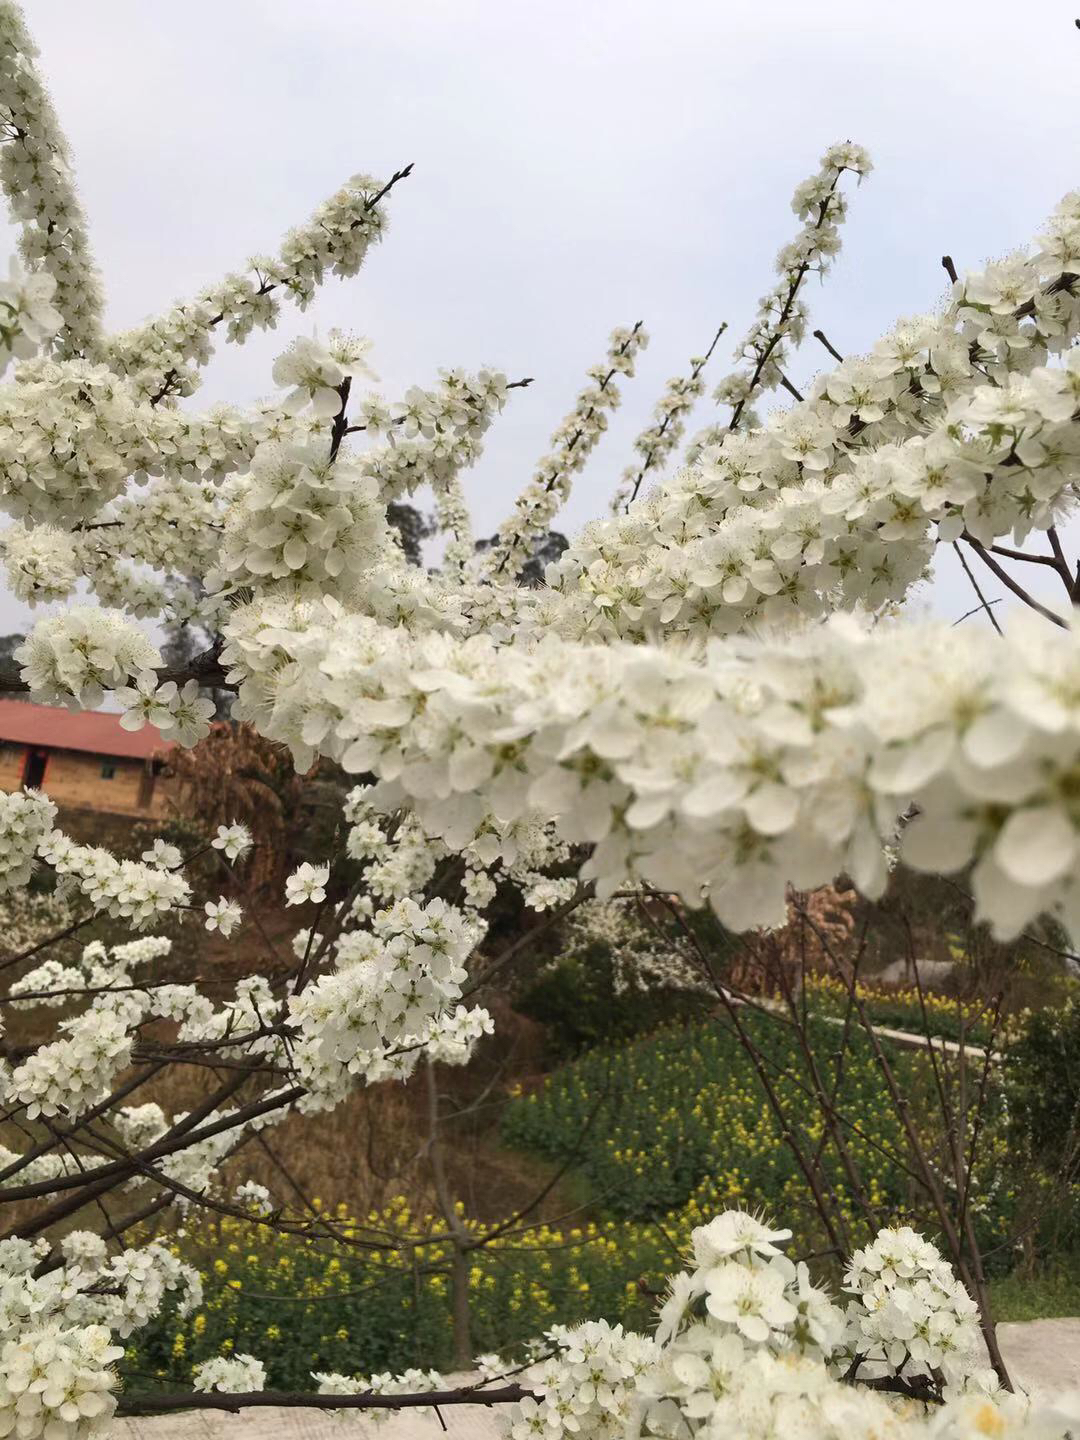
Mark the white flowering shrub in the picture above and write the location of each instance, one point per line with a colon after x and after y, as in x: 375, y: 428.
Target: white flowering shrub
x: 711, y: 697
x: 26, y: 821
x: 409, y: 1382
x: 58, y: 1382
x: 746, y: 1344
x: 234, y: 1374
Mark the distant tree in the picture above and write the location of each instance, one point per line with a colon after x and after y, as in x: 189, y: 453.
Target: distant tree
x: 235, y: 775
x: 546, y: 549
x: 9, y: 670
x: 413, y: 529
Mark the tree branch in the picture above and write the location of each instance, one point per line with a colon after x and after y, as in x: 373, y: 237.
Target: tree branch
x: 368, y: 1400
x: 1011, y: 584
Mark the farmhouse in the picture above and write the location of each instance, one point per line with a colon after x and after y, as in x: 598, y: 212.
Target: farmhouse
x: 83, y: 761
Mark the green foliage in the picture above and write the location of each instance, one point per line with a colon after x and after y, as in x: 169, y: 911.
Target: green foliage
x: 1043, y: 1086
x: 577, y: 1000
x: 680, y: 1121
x: 684, y: 1108
x: 666, y: 1131
x: 933, y: 1014
x: 1051, y: 1291
x: 300, y: 1309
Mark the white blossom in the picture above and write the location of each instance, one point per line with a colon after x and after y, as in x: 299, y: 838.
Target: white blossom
x: 223, y: 915
x: 306, y: 884
x: 58, y: 1383
x: 234, y: 841
x: 233, y: 1374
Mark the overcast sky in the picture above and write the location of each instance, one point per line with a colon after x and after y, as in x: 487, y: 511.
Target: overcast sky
x: 578, y: 164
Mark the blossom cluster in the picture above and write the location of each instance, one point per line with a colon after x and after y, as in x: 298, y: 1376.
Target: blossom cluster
x: 52, y: 983
x: 769, y: 762
x: 572, y: 443
x: 27, y: 315
x: 389, y: 983
x: 125, y: 889
x: 176, y: 712
x: 26, y: 820
x: 160, y: 356
x: 75, y: 1072
x: 314, y: 523
x: 78, y: 655
x: 780, y: 322
x: 40, y: 563
x: 911, y: 1310
x: 89, y: 1286
x: 658, y: 441
x: 233, y: 1374
x: 317, y: 372
x: 409, y: 1382
x: 640, y: 958
x: 57, y: 1326
x: 956, y: 427
x: 36, y: 178
x: 747, y: 1345
x: 677, y: 707
x: 430, y: 434
x: 58, y: 1382
x: 452, y: 1039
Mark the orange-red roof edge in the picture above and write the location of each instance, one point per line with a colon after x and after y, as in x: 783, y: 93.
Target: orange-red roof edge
x: 94, y: 731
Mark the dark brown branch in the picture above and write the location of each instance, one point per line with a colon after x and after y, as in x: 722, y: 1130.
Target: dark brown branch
x: 970, y: 1273
x: 778, y: 330
x: 1013, y: 585
x: 975, y: 610
x: 341, y: 419
x: 112, y: 1099
x: 1010, y: 554
x: 205, y: 668
x: 983, y: 604
x: 1057, y: 561
x: 52, y: 939
x: 170, y: 378
x: 216, y: 1400
x: 694, y: 373
x: 820, y: 335
x: 810, y: 1174
x: 185, y: 1132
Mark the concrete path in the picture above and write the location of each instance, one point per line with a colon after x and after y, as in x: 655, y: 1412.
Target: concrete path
x: 1043, y: 1357
x: 907, y: 1040
x: 463, y: 1422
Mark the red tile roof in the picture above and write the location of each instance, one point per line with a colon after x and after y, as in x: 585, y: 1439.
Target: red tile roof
x: 94, y: 731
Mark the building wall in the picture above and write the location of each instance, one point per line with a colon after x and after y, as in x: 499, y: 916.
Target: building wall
x: 75, y: 778
x: 12, y: 759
